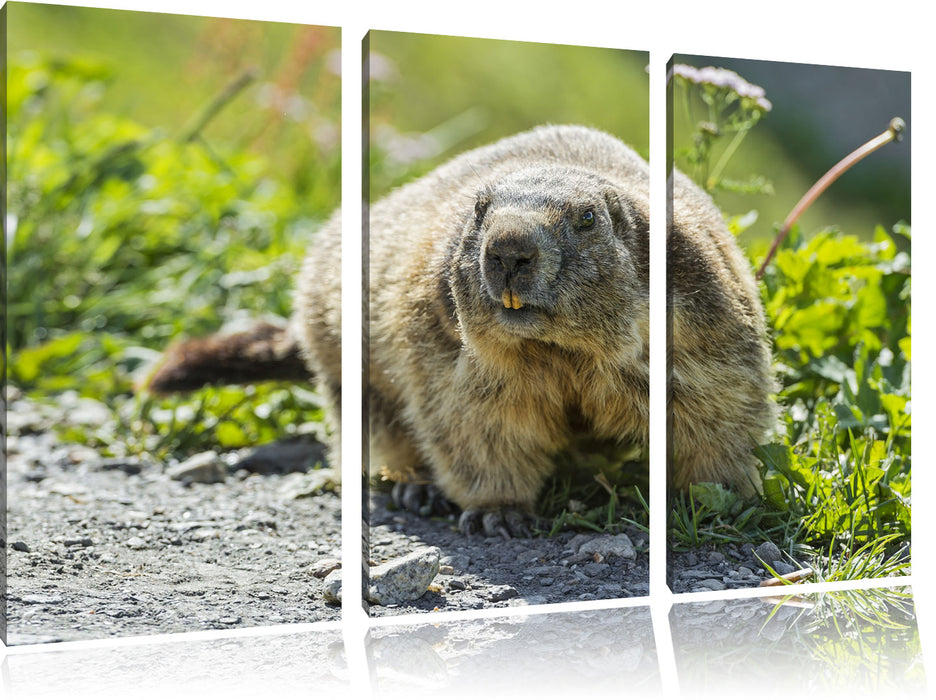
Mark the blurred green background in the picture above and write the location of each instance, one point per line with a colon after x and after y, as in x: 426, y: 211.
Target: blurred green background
x: 165, y: 176
x: 431, y: 97
x: 819, y: 115
x: 162, y: 69
x: 144, y: 147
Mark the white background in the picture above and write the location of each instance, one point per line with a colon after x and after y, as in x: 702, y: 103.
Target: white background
x: 896, y: 36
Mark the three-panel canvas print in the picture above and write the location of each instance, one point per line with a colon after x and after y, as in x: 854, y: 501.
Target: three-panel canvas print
x: 174, y: 343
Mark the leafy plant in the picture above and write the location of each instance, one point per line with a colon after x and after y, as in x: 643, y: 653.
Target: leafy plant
x: 123, y: 237
x: 837, y: 476
x: 718, y: 103
x: 840, y: 310
x: 597, y: 486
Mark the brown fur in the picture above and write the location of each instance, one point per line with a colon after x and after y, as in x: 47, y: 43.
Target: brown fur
x: 478, y: 396
x: 482, y: 402
x: 263, y: 352
x: 720, y: 381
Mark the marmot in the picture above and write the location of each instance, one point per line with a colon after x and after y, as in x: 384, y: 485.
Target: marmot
x: 508, y: 311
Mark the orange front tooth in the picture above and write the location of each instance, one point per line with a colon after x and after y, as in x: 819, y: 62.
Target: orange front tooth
x: 515, y: 300
x: 505, y: 297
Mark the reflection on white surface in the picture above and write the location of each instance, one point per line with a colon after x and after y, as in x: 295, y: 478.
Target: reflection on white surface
x: 271, y: 666
x: 568, y: 654
x: 863, y: 643
x: 827, y: 644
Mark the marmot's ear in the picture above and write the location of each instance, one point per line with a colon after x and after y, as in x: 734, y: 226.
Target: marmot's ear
x: 625, y: 217
x: 482, y: 202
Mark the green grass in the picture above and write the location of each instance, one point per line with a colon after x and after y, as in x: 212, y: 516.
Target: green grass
x: 126, y: 234
x: 597, y: 486
x: 837, y: 476
x: 861, y: 639
x: 159, y: 70
x: 837, y: 480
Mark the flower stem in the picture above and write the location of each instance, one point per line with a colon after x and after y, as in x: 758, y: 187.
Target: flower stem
x: 725, y: 157
x: 893, y: 133
x: 211, y: 110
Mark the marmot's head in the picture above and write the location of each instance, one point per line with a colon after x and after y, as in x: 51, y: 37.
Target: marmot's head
x: 555, y: 254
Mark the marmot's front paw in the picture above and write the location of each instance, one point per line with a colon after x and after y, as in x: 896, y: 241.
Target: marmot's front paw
x: 505, y: 522
x: 423, y: 499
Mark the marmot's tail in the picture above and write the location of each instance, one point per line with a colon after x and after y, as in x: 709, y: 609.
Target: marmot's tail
x: 262, y: 353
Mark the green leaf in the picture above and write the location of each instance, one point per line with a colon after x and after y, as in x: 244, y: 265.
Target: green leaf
x: 715, y: 497
x: 27, y: 364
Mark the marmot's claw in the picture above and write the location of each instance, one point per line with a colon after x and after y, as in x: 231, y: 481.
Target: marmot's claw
x: 424, y: 499
x: 470, y: 521
x: 504, y: 522
x: 520, y: 523
x: 437, y: 502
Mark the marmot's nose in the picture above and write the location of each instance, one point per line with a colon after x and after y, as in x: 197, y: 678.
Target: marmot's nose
x: 511, y: 254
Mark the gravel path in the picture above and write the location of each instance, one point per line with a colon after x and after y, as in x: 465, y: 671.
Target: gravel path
x: 114, y: 547
x: 490, y: 572
x: 102, y: 547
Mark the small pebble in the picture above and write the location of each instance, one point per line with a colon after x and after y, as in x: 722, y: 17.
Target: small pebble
x: 136, y: 543
x: 546, y: 570
x: 39, y: 599
x: 403, y: 579
x: 499, y: 593
x: 202, y: 534
x: 596, y: 570
x: 578, y: 541
x: 767, y: 552
x: 304, y: 485
x: 65, y: 488
x: 610, y: 545
x: 783, y: 568
x: 578, y: 558
x: 203, y: 468
x: 323, y: 567
x: 20, y: 546
x: 531, y: 555
x: 128, y: 465
x: 712, y: 584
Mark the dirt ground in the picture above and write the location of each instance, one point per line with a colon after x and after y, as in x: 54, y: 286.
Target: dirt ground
x: 104, y: 547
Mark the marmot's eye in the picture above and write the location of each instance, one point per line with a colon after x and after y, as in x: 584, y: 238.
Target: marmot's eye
x: 586, y: 219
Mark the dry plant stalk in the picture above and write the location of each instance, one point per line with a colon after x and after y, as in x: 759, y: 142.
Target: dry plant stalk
x: 794, y: 577
x: 894, y: 131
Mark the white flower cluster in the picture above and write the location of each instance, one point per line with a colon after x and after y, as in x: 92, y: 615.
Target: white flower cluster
x: 723, y: 78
